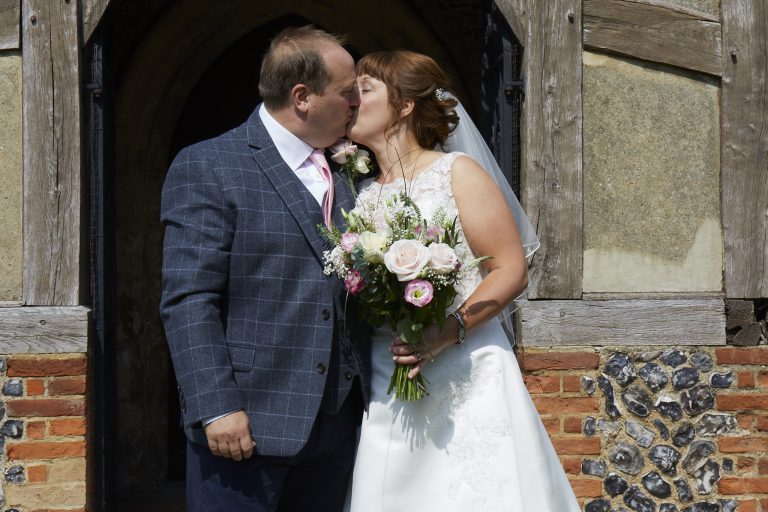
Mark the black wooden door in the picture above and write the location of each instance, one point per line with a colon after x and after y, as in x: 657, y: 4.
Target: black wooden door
x: 501, y: 63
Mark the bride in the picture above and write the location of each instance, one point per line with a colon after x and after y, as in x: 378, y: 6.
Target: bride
x: 475, y: 443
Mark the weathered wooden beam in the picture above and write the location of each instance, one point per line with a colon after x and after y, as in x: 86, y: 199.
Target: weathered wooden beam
x: 52, y: 159
x: 654, y: 31
x: 744, y: 150
x: 44, y: 330
x: 623, y: 322
x: 10, y: 12
x: 516, y: 14
x: 551, y: 138
x: 93, y: 11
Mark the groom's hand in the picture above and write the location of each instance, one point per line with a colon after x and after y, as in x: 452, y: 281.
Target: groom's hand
x: 230, y: 436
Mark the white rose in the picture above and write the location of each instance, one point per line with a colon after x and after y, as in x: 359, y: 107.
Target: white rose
x: 373, y: 245
x: 406, y: 259
x: 442, y: 258
x: 363, y: 160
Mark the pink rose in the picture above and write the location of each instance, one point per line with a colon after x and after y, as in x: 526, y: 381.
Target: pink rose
x: 348, y: 241
x: 419, y: 292
x: 406, y: 259
x: 354, y: 282
x: 442, y: 258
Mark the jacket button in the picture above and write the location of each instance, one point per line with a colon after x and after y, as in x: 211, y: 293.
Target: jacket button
x: 348, y: 375
x: 326, y: 314
x: 320, y: 368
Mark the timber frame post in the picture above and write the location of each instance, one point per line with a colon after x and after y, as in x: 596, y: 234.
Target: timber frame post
x: 744, y: 153
x: 52, y: 153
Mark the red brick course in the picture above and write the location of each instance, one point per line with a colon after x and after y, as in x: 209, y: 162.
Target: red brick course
x: 46, y: 407
x: 571, y: 465
x: 566, y: 446
x: 742, y: 402
x: 542, y: 384
x: 561, y: 405
x: 587, y: 488
x: 571, y: 383
x: 743, y: 444
x: 40, y: 366
x: 37, y: 474
x: 35, y: 387
x: 748, y: 506
x: 743, y: 356
x: 67, y: 386
x: 730, y: 485
x: 560, y: 360
x: 35, y: 429
x: 67, y: 427
x: 42, y: 451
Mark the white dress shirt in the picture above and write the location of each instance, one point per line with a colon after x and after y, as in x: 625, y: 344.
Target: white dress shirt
x: 295, y: 153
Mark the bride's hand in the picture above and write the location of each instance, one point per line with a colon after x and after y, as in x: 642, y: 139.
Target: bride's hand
x: 425, y: 351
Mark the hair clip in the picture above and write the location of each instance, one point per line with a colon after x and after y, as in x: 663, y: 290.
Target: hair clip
x: 439, y: 92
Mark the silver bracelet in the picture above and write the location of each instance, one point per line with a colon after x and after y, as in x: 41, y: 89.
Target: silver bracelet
x: 462, y: 328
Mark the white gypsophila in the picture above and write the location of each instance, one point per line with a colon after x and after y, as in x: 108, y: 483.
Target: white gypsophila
x: 334, y: 262
x: 438, y: 218
x: 438, y: 280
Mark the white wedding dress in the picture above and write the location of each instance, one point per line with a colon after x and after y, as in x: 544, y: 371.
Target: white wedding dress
x: 476, y: 442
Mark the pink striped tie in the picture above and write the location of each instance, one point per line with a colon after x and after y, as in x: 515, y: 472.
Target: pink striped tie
x: 318, y: 158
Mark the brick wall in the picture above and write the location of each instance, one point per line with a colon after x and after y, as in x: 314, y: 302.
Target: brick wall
x: 44, y: 429
x: 563, y: 386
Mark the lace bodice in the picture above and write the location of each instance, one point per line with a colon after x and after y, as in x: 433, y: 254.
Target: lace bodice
x: 430, y: 190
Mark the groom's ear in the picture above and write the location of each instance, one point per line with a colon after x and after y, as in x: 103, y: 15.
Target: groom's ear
x: 408, y: 106
x: 300, y: 97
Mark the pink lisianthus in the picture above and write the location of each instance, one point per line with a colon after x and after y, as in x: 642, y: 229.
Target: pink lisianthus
x: 348, y: 241
x: 354, y: 282
x: 435, y: 233
x: 419, y: 292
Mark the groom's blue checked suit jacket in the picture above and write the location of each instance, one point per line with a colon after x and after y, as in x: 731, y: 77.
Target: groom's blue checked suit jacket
x: 249, y: 316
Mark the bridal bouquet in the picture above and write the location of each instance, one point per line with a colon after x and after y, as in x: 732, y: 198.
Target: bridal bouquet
x: 404, y: 270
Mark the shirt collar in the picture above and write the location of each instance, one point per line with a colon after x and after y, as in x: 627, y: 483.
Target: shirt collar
x: 293, y: 150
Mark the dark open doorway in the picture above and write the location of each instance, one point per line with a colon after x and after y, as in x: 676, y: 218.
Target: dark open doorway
x: 176, y: 72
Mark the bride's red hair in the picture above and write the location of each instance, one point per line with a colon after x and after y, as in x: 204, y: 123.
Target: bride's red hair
x: 411, y: 75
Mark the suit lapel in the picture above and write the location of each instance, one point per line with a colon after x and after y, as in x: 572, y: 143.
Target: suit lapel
x: 288, y: 186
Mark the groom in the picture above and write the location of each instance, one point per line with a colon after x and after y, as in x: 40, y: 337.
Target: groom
x: 270, y: 380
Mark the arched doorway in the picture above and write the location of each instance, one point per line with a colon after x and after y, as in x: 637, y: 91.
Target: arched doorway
x: 186, y: 70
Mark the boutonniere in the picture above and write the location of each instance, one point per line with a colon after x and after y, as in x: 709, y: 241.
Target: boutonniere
x: 355, y: 162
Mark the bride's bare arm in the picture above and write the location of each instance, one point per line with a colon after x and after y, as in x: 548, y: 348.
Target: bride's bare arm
x: 490, y: 230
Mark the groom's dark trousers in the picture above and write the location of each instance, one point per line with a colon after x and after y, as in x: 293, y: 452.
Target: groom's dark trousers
x: 316, y: 479
x: 254, y: 324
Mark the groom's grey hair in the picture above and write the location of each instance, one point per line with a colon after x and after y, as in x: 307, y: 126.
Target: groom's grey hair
x: 294, y: 57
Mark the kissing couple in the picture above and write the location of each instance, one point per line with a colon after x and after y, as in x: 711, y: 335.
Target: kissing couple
x: 283, y: 389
